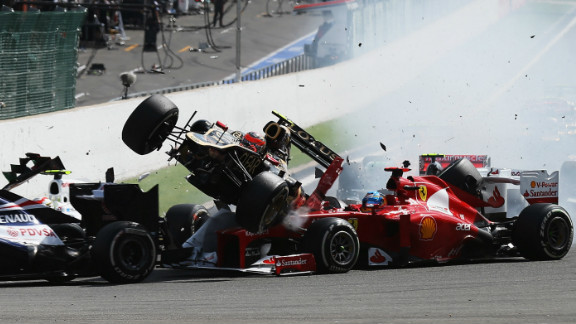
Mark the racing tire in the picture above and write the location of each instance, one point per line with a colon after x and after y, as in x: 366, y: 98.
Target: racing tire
x: 543, y: 232
x: 462, y: 174
x: 124, y: 252
x: 184, y: 220
x: 263, y: 202
x: 150, y: 124
x: 331, y: 202
x: 334, y: 244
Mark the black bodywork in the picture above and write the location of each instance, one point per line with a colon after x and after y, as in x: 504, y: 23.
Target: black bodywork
x: 100, y: 204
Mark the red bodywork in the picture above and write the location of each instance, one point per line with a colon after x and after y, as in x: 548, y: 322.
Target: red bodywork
x: 423, y: 220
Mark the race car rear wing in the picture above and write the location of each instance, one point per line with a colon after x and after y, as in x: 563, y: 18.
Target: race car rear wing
x: 307, y: 143
x: 508, y: 191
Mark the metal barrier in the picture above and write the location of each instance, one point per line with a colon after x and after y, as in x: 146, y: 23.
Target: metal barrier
x: 374, y: 23
x: 295, y: 64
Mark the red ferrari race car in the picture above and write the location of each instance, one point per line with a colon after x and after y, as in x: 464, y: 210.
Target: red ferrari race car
x: 455, y: 214
x: 426, y: 219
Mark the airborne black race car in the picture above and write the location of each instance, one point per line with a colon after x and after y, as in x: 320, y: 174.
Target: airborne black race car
x: 220, y: 166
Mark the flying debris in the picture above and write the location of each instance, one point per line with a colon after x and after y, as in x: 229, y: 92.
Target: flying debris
x: 143, y: 176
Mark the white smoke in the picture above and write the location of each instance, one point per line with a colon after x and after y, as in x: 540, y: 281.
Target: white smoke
x: 296, y: 219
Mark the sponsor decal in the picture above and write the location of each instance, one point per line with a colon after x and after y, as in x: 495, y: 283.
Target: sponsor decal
x: 496, y: 200
x: 35, y: 234
x: 288, y: 263
x: 318, y: 147
x: 540, y: 193
x: 250, y: 161
x: 516, y: 173
x: 377, y: 257
x: 12, y: 232
x: 270, y: 260
x: 538, y: 186
x: 36, y: 231
x: 250, y: 234
x: 18, y: 218
x: 543, y: 184
x: 294, y: 263
x: 463, y: 227
x: 353, y: 222
x: 542, y: 189
x: 428, y: 228
x: 479, y: 161
x: 423, y: 192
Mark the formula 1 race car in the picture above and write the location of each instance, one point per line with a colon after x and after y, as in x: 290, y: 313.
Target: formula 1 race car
x: 426, y: 219
x: 249, y: 174
x: 47, y: 241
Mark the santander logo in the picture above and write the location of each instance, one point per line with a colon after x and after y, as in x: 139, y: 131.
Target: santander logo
x: 377, y: 257
x: 496, y: 200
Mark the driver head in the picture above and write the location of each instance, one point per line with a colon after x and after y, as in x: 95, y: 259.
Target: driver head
x: 254, y: 141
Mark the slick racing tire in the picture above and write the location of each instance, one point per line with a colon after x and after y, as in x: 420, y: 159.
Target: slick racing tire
x: 184, y: 220
x: 462, y: 174
x: 331, y: 202
x: 150, y: 124
x: 263, y: 202
x: 124, y: 252
x: 334, y: 244
x: 543, y: 232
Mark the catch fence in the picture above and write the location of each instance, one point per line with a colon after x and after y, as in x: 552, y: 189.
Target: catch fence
x: 38, y: 60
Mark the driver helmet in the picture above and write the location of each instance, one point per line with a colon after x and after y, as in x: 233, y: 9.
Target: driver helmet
x: 254, y: 141
x: 371, y: 200
x: 434, y: 168
x: 201, y: 126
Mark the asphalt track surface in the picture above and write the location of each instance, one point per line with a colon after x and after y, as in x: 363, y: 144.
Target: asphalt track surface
x: 511, y: 291
x: 503, y: 291
x: 261, y: 35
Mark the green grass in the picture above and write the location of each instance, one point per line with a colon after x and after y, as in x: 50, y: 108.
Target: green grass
x: 175, y: 189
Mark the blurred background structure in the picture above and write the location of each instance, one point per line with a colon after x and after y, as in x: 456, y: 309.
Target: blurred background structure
x: 60, y: 55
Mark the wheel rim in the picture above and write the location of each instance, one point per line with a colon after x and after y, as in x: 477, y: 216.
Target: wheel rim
x: 161, y: 132
x: 558, y: 233
x: 273, y: 209
x: 342, y: 248
x: 133, y: 254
